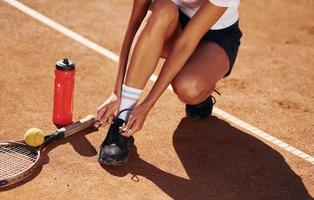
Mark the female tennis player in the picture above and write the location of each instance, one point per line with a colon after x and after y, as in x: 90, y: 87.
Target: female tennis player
x: 199, y: 40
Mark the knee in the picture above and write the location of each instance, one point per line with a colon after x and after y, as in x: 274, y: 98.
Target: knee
x: 190, y: 91
x: 187, y: 91
x: 163, y: 13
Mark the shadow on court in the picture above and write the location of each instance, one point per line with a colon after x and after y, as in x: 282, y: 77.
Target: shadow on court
x: 80, y: 144
x: 222, y: 162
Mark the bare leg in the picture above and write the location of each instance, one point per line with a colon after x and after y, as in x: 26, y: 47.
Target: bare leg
x: 160, y: 24
x: 197, y: 79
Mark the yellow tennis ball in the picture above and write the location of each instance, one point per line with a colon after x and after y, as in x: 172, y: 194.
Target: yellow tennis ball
x: 34, y: 137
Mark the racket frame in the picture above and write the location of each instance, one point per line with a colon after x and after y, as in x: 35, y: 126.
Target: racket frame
x: 15, y: 178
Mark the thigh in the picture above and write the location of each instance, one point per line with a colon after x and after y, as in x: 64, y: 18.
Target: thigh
x: 172, y: 35
x: 208, y: 64
x: 169, y: 41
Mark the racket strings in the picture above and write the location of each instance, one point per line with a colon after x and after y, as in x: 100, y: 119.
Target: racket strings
x: 15, y: 159
x: 11, y: 167
x: 24, y: 152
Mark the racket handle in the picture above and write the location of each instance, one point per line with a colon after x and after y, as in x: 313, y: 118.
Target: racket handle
x: 77, y: 126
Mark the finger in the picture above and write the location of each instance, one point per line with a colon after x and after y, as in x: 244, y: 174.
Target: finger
x: 126, y: 133
x: 107, y: 115
x: 97, y: 124
x: 110, y: 119
x: 130, y: 122
x: 134, y: 127
x: 116, y: 112
x: 101, y: 112
x: 104, y: 123
x: 122, y: 128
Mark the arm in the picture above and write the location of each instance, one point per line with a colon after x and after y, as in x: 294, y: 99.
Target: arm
x: 139, y: 10
x: 185, y: 45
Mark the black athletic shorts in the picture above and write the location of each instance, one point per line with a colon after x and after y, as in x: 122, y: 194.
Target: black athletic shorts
x: 228, y: 38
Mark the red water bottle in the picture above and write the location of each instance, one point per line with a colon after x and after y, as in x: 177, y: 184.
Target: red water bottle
x: 63, y: 92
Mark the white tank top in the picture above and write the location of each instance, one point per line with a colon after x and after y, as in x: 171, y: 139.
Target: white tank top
x: 231, y: 15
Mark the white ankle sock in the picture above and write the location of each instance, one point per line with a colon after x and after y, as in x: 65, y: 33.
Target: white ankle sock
x: 129, y: 98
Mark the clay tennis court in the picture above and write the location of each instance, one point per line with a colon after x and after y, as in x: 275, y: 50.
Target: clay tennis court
x: 271, y: 88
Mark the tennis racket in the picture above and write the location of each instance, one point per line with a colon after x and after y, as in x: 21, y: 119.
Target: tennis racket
x: 18, y: 160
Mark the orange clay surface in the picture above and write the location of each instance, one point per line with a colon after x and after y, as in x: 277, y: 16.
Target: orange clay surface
x: 271, y: 87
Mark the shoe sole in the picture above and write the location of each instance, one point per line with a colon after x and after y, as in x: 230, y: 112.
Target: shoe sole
x: 197, y: 117
x: 113, y: 162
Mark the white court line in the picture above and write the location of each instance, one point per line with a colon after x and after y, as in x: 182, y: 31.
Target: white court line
x: 220, y: 113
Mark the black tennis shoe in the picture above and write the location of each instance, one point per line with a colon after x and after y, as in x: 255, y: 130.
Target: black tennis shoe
x: 201, y: 110
x: 114, y: 148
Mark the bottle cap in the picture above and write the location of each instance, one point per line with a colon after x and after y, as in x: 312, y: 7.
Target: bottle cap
x: 65, y: 65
